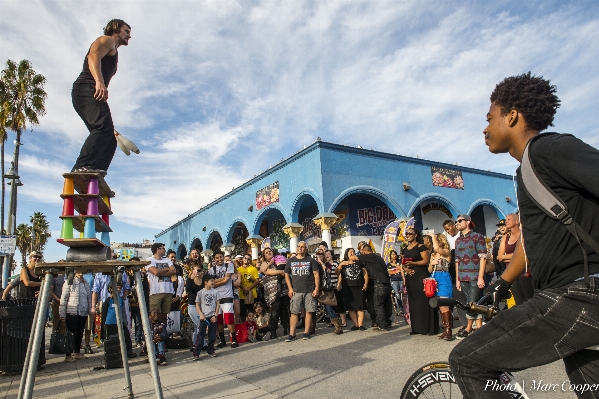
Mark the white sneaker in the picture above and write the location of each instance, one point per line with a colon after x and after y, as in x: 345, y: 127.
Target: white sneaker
x: 266, y: 336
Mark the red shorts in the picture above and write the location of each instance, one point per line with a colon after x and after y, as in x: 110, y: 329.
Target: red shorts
x: 229, y: 318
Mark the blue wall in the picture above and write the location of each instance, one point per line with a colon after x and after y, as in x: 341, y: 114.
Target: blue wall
x: 323, y: 176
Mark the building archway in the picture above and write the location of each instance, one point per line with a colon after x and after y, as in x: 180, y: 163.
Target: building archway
x: 215, y: 240
x: 431, y: 210
x: 181, y: 252
x: 269, y: 223
x: 196, y: 244
x: 485, y: 214
x: 311, y: 197
x: 361, y: 216
x: 237, y: 235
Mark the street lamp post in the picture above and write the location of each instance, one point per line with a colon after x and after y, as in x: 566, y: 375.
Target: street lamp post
x: 14, y: 182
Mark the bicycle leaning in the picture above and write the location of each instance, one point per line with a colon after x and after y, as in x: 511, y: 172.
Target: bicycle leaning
x: 435, y: 380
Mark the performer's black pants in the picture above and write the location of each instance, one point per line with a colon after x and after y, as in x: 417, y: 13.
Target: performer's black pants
x: 99, y: 147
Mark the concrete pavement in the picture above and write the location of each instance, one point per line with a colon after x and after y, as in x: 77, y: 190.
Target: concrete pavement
x: 362, y: 364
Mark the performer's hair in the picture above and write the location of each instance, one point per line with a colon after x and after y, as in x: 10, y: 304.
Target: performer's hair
x: 114, y: 26
x: 531, y: 95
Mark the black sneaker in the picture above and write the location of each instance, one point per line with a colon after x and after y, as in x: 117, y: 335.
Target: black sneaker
x: 162, y: 360
x: 461, y: 334
x: 377, y: 329
x: 306, y: 336
x: 195, y: 358
x: 354, y: 328
x: 131, y: 355
x: 221, y: 345
x: 234, y: 345
x: 362, y: 328
x: 213, y: 354
x: 290, y: 338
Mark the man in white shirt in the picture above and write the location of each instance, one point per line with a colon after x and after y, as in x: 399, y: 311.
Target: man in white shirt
x: 159, y: 272
x: 222, y: 272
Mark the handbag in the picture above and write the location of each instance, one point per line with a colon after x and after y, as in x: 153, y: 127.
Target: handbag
x: 327, y: 298
x: 173, y: 322
x: 430, y: 285
x: 62, y: 341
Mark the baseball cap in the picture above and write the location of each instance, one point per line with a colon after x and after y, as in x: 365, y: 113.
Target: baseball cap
x: 501, y: 223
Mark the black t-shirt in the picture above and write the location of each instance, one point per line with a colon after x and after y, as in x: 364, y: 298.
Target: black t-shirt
x: 415, y: 253
x: 192, y: 290
x: 352, y: 275
x: 301, y: 273
x: 376, y: 268
x: 570, y: 168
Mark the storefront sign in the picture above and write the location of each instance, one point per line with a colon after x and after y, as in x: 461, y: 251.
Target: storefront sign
x: 444, y: 177
x: 434, y: 206
x: 375, y: 219
x: 268, y: 195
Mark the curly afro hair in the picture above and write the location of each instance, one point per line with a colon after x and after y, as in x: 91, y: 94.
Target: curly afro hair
x: 531, y: 95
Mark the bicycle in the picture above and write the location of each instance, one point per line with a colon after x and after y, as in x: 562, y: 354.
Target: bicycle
x: 435, y: 380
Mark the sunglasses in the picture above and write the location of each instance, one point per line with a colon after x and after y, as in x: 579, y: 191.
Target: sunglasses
x: 410, y: 234
x: 36, y: 257
x: 460, y: 220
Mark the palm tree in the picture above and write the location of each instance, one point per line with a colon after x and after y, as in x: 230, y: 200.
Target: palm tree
x: 41, y: 231
x: 24, y: 98
x: 23, y: 234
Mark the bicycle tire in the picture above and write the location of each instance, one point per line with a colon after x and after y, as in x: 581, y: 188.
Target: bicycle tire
x: 434, y: 380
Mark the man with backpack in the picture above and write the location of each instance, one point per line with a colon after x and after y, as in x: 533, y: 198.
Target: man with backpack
x: 558, y: 198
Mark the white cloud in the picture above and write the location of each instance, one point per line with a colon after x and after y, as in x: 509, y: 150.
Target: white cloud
x: 203, y: 82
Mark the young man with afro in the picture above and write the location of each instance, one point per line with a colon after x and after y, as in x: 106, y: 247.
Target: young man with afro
x: 561, y: 321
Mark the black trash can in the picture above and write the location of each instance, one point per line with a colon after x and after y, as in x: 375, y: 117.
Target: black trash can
x: 16, y: 321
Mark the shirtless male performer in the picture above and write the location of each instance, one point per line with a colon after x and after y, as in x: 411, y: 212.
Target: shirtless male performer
x: 90, y: 93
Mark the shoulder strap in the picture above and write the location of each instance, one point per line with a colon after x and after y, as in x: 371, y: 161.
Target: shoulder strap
x: 550, y: 203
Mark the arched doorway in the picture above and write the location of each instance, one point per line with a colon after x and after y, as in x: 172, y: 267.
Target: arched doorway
x: 430, y: 213
x: 360, y: 216
x: 215, y: 241
x: 196, y: 244
x: 485, y: 215
x: 238, y: 234
x: 181, y: 252
x: 270, y: 224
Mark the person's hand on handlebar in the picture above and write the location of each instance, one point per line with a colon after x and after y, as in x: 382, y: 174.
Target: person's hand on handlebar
x: 499, y: 289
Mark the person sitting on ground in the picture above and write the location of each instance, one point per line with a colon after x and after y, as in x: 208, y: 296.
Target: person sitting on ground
x: 159, y: 336
x: 251, y: 326
x: 75, y: 302
x: 262, y: 318
x: 207, y: 306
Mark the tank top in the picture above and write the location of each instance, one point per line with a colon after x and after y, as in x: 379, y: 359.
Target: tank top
x: 509, y: 248
x: 108, y: 65
x: 29, y: 292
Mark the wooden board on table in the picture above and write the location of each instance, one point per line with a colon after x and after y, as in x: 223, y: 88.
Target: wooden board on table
x: 80, y: 242
x: 90, y: 267
x: 79, y: 222
x: 80, y: 202
x: 81, y: 180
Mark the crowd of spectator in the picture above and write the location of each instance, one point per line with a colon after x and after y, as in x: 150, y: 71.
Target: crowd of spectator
x: 279, y: 294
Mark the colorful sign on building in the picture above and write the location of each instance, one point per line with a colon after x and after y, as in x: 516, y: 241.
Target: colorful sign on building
x: 267, y: 195
x: 389, y: 240
x: 445, y: 177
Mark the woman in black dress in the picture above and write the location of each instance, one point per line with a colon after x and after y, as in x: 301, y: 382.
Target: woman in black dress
x: 354, y: 280
x: 425, y: 320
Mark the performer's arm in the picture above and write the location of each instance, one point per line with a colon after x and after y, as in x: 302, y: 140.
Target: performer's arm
x: 98, y: 50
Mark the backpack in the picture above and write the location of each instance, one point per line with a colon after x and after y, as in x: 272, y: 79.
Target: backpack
x: 554, y: 207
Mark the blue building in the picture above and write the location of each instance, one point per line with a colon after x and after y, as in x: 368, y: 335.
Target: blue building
x: 341, y: 195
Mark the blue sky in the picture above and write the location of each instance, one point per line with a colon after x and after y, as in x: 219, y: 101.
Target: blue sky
x: 215, y: 92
